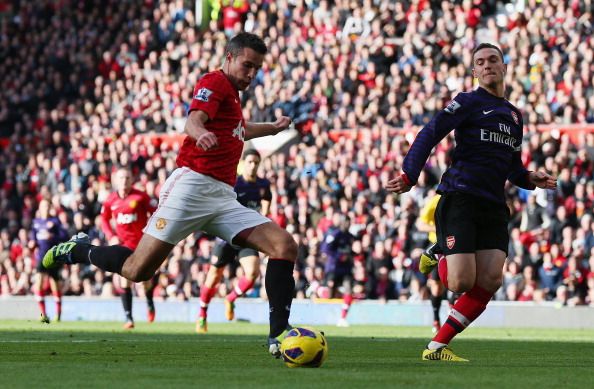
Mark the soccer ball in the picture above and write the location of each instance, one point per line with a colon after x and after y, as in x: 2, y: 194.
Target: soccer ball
x: 304, y: 347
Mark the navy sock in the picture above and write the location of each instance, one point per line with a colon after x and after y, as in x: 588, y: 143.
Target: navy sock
x: 109, y: 258
x: 80, y: 253
x: 280, y: 286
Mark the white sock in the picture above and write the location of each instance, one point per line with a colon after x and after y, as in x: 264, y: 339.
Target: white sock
x: 433, y: 345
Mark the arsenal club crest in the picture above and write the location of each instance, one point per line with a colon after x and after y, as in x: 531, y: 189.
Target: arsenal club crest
x: 515, y: 117
x: 450, y: 241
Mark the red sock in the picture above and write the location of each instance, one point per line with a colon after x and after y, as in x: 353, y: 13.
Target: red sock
x: 41, y: 303
x: 58, y: 298
x: 206, y: 295
x: 468, y: 307
x: 242, y: 286
x: 442, y: 270
x: 347, y: 300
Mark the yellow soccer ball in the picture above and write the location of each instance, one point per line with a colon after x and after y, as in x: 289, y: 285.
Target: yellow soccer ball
x: 304, y: 347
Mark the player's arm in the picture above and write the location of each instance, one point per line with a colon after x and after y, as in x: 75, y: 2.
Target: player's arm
x: 440, y: 125
x: 205, y: 105
x: 256, y: 130
x: 195, y: 128
x: 520, y: 176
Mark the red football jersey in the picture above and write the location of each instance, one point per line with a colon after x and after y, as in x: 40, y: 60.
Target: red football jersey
x: 217, y: 97
x: 130, y: 213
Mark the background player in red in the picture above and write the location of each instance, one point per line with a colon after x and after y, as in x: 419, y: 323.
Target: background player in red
x: 123, y: 216
x: 47, y: 231
x: 253, y: 192
x: 199, y: 195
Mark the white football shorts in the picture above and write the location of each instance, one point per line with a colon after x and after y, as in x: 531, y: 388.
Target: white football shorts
x: 190, y: 202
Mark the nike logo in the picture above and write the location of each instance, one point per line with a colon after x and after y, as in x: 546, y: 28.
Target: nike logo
x: 487, y: 112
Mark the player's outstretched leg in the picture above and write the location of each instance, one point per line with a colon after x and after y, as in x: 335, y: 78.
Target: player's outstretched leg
x: 429, y: 259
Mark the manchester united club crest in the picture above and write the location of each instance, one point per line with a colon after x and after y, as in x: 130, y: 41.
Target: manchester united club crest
x: 515, y: 117
x: 133, y: 204
x: 450, y: 241
x: 161, y: 223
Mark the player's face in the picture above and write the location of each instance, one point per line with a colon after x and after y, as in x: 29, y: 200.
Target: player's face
x: 488, y: 67
x: 123, y: 181
x: 243, y: 67
x: 250, y: 166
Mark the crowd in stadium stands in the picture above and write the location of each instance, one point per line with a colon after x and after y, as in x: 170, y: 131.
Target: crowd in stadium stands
x: 82, y: 80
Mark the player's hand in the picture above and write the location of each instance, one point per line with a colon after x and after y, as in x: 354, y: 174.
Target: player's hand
x: 282, y: 123
x: 542, y: 180
x: 207, y: 141
x: 114, y: 240
x: 398, y: 185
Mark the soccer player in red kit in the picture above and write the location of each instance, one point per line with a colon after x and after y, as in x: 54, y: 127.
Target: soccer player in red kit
x: 128, y: 209
x: 199, y: 195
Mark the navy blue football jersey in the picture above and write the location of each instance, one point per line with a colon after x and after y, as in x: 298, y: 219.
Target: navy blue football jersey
x: 488, y: 134
x: 251, y: 194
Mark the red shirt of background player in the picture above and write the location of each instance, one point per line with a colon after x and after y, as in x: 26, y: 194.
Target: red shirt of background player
x: 130, y: 214
x: 219, y: 99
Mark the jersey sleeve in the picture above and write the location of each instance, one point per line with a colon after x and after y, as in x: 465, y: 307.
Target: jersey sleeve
x: 440, y: 125
x: 208, y: 95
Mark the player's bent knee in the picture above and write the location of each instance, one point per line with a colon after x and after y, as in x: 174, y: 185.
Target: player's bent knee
x: 139, y: 274
x: 459, y: 285
x: 287, y: 249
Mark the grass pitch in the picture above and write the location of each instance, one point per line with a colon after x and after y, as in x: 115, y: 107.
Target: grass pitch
x: 171, y: 355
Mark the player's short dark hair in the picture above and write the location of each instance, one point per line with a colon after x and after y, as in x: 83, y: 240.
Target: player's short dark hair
x: 487, y: 46
x: 249, y: 152
x: 243, y: 40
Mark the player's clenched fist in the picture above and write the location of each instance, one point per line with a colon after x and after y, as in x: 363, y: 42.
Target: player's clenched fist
x: 282, y: 123
x: 398, y: 185
x: 207, y: 141
x: 543, y: 180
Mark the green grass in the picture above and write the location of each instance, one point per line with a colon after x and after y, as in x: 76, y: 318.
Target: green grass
x: 171, y: 355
